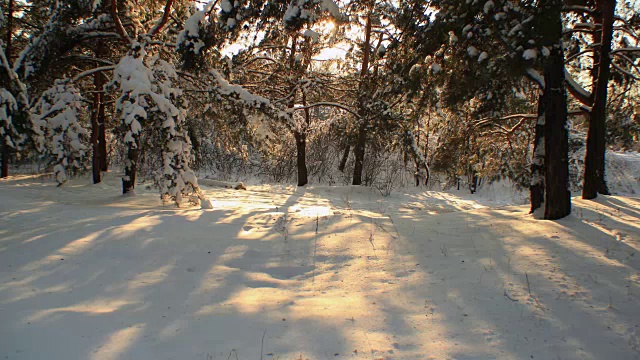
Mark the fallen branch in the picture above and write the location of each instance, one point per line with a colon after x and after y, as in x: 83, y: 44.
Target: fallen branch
x: 507, y: 296
x: 224, y: 184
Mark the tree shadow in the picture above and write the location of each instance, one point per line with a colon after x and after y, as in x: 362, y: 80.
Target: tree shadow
x: 295, y: 274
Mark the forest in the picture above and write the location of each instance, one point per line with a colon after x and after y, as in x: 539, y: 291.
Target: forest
x: 318, y: 179
x: 443, y: 90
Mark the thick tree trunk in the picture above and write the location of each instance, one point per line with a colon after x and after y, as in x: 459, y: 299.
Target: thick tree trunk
x: 536, y: 188
x: 594, y: 170
x: 557, y: 202
x: 4, y: 147
x: 5, y: 158
x: 358, y: 152
x: 557, y: 197
x: 301, y: 147
x: 129, y: 179
x: 345, y: 157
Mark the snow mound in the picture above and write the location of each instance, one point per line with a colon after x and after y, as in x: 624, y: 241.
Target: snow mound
x: 206, y: 204
x: 623, y: 172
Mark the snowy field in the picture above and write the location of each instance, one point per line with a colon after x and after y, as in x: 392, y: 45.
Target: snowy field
x: 276, y: 272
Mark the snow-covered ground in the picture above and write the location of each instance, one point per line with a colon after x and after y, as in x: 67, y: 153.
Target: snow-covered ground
x: 277, y: 272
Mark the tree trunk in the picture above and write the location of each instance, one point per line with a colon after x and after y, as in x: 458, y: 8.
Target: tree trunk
x: 96, y: 158
x: 102, y: 134
x: 301, y: 147
x: 345, y: 157
x: 101, y: 118
x: 594, y: 169
x: 5, y: 158
x: 358, y: 152
x: 536, y: 189
x: 361, y: 140
x: 129, y: 179
x: 557, y: 202
x: 3, y: 143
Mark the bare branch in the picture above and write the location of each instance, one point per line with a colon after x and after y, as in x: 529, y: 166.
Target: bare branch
x: 163, y: 20
x: 89, y: 58
x: 577, y: 91
x: 626, y: 72
x: 92, y: 71
x: 116, y: 19
x: 329, y: 104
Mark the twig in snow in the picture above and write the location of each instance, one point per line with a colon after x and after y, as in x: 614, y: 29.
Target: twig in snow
x: 369, y: 341
x: 232, y: 351
x: 262, y: 344
x: 507, y: 296
x: 394, y: 226
x: 371, y: 231
x: 315, y: 251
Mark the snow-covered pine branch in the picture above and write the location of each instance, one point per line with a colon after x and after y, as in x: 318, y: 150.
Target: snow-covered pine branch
x: 150, y: 101
x: 17, y: 127
x: 59, y: 111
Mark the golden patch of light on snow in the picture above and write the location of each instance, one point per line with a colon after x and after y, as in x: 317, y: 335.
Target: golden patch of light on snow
x: 311, y: 211
x: 75, y: 247
x: 255, y: 300
x: 150, y: 278
x: 94, y: 307
x: 142, y: 223
x: 118, y: 342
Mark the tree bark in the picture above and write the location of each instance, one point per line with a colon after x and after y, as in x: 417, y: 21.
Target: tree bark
x: 345, y: 157
x: 129, y: 179
x: 361, y: 140
x: 102, y: 134
x: 557, y: 202
x: 556, y: 137
x: 301, y: 147
x: 358, y: 152
x: 95, y: 109
x: 9, y: 30
x: 4, y: 147
x: 5, y: 158
x: 536, y: 189
x: 594, y: 170
x: 101, y: 140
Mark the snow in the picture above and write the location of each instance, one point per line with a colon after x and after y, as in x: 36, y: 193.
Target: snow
x: 452, y: 37
x: 319, y: 272
x: 539, y: 78
x: 331, y: 7
x: 530, y: 54
x: 313, y: 35
x: 574, y: 84
x: 226, y: 6
x: 488, y: 6
x: 189, y: 37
